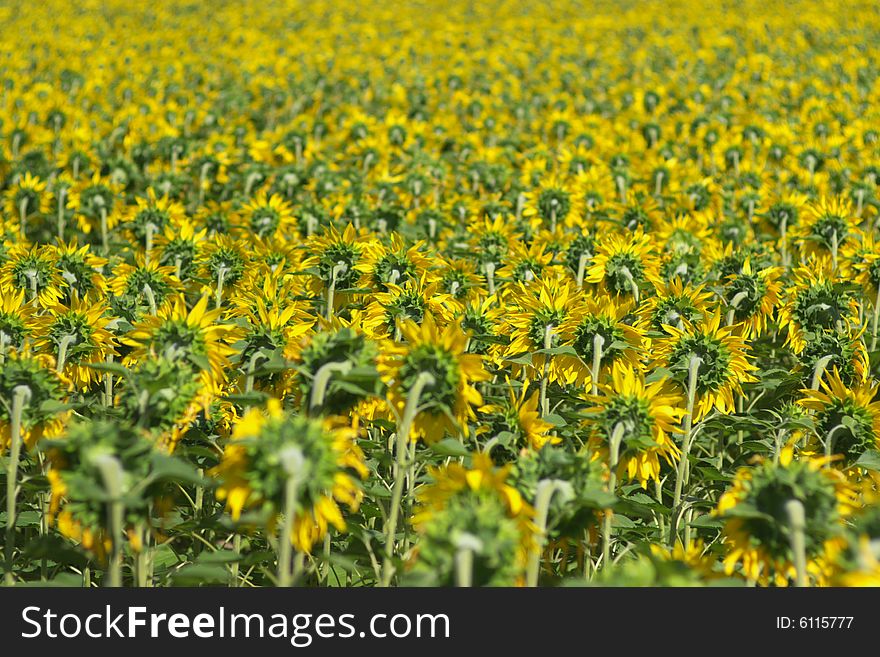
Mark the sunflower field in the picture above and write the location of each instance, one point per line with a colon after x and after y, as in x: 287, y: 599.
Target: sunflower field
x: 333, y: 293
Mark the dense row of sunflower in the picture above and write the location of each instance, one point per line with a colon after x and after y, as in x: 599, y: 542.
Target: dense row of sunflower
x: 334, y: 294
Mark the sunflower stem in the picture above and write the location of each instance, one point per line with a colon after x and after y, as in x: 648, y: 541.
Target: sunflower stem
x: 22, y: 216
x: 543, y: 496
x: 236, y: 548
x: 203, y: 176
x: 466, y: 544
x: 410, y: 411
x: 582, y: 268
x: 834, y: 247
x: 627, y: 274
x: 783, y: 238
x: 490, y: 276
x: 681, y: 473
x: 613, y: 459
x: 105, y: 238
x: 876, y: 319
x: 292, y: 461
x: 545, y: 376
x: 63, y: 346
x: 734, y: 304
x: 819, y: 370
x: 797, y: 525
x: 112, y: 475
x: 322, y: 380
x: 21, y: 395
x: 331, y: 289
x: 61, y: 221
x: 151, y: 299
x: 218, y: 293
x: 598, y: 343
x: 108, y: 384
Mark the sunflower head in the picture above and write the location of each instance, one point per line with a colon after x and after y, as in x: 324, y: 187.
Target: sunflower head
x: 847, y: 417
x: 758, y: 529
x: 33, y: 378
x: 472, y: 509
x: 268, y: 447
x: 449, y: 395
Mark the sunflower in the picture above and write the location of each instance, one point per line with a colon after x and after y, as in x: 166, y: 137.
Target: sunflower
x: 16, y: 317
x: 333, y: 257
x: 847, y: 418
x: 393, y: 264
x: 37, y: 374
x: 642, y: 416
x: 81, y: 269
x: 473, y: 509
x: 176, y: 333
x: 723, y: 362
x: 831, y: 350
x: 554, y: 202
x: 676, y: 305
x: 76, y: 335
x: 520, y: 416
x: 181, y: 246
x: 449, y: 396
x: 151, y: 216
x: 816, y: 301
x: 752, y: 297
x: 625, y: 264
x: 142, y: 286
x: 524, y: 264
x: 537, y: 312
x: 27, y: 197
x: 34, y: 271
x: 252, y: 471
x: 415, y: 300
x: 266, y: 216
x: 600, y: 321
x: 757, y: 530
x: 826, y: 226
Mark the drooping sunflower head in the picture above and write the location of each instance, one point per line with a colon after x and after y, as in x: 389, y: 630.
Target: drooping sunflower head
x: 394, y: 264
x: 832, y: 350
x: 598, y: 328
x: 414, y: 301
x: 436, y: 361
x: 641, y: 417
x: 847, y: 418
x: 339, y: 360
x: 77, y: 336
x: 625, y: 264
x: 34, y: 271
x: 719, y: 355
x: 472, y: 509
x: 675, y: 305
x: 81, y: 270
x: 517, y: 415
x: 267, y: 215
x: 34, y: 383
x: 271, y: 446
x: 826, y: 226
x: 151, y: 216
x: 195, y: 336
x: 181, y: 246
x: 15, y: 320
x: 141, y: 287
x: 758, y: 529
x: 817, y: 301
x: 752, y: 295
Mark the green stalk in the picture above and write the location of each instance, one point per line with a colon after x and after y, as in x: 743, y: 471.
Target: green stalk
x: 105, y: 237
x: 112, y: 474
x: 63, y: 346
x: 151, y: 299
x: 292, y: 460
x: 681, y: 473
x: 22, y: 216
x: 410, y: 411
x: 545, y: 378
x: 797, y: 524
x: 582, y: 268
x: 613, y: 458
x: 322, y: 380
x: 466, y: 545
x: 819, y: 370
x: 218, y: 294
x: 598, y: 343
x: 20, y: 397
x: 543, y: 495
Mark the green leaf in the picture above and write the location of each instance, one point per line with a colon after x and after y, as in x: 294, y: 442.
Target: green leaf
x: 449, y: 447
x: 870, y: 460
